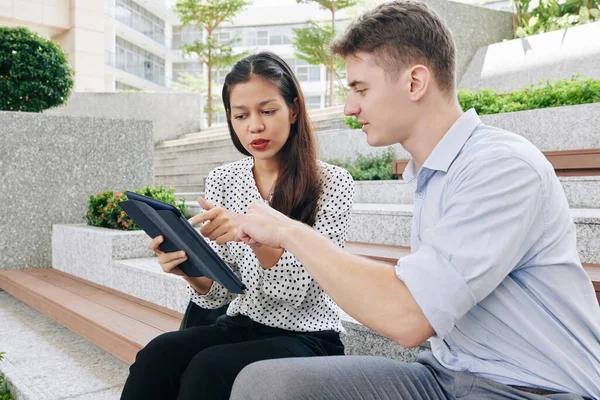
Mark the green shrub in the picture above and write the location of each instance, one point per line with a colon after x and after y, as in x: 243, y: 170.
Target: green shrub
x: 4, y: 393
x: 34, y: 72
x: 352, y: 123
x: 551, y: 15
x: 104, y: 211
x: 556, y: 93
x: 374, y: 167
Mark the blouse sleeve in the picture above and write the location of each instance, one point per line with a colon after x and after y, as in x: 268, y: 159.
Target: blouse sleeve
x: 217, y: 296
x: 288, y: 281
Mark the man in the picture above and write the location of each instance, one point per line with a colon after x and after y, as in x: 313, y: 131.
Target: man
x: 494, y: 280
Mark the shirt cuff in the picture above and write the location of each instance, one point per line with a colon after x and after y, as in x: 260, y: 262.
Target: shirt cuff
x: 438, y: 288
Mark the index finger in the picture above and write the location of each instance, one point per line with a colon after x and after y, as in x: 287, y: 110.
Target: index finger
x: 205, y: 216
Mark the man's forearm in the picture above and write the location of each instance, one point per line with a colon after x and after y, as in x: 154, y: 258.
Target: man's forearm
x: 367, y: 290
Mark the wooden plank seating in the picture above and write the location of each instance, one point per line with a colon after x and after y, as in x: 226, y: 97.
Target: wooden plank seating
x: 116, y: 322
x: 121, y: 324
x: 585, y: 162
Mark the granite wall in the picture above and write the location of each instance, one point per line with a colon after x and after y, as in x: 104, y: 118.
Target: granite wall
x: 173, y: 114
x: 559, y: 128
x: 510, y: 65
x: 50, y: 165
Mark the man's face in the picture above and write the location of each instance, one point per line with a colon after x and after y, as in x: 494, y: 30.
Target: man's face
x: 379, y: 102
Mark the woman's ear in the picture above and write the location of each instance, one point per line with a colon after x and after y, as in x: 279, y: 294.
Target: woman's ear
x: 294, y: 112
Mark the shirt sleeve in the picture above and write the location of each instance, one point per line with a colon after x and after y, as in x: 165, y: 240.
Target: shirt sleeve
x: 218, y: 295
x: 490, y: 220
x: 288, y: 280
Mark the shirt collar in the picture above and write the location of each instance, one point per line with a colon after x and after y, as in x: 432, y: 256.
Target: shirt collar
x: 446, y: 151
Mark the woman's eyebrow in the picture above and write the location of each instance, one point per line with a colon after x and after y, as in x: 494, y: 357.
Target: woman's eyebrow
x: 262, y: 103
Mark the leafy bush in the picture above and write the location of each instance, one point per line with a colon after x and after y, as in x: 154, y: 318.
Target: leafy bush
x: 104, y: 211
x: 560, y: 92
x: 352, y: 123
x: 34, y: 71
x: 4, y: 394
x: 551, y: 15
x: 374, y: 167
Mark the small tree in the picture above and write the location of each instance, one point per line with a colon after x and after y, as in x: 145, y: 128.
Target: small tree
x: 311, y: 43
x: 34, y: 72
x: 209, y: 15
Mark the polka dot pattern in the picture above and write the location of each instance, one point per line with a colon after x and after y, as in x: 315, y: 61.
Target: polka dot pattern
x: 284, y: 296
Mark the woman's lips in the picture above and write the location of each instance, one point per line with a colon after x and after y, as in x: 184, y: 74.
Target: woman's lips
x: 260, y: 144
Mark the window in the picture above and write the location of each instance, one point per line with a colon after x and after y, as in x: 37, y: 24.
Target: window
x: 218, y: 76
x: 137, y: 61
x: 313, y: 102
x: 186, y: 35
x: 193, y: 68
x: 140, y: 19
x: 305, y: 72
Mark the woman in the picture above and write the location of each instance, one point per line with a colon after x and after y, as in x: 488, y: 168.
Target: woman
x: 284, y: 312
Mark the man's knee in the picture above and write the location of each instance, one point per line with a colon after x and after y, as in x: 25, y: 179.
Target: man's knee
x: 266, y: 380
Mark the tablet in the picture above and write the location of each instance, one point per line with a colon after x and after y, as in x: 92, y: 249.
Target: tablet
x: 159, y: 218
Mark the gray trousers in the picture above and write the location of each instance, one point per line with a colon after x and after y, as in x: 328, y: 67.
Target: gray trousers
x: 369, y: 378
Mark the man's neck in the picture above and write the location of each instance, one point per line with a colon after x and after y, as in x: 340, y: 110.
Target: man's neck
x: 429, y: 130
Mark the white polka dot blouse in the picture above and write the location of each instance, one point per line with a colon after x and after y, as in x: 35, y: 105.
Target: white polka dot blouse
x: 284, y: 296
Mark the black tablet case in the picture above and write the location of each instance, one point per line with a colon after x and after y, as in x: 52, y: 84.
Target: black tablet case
x: 159, y: 218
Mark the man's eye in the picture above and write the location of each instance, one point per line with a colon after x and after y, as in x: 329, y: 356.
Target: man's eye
x: 239, y: 117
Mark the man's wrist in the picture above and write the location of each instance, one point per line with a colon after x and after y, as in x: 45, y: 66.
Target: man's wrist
x: 289, y: 233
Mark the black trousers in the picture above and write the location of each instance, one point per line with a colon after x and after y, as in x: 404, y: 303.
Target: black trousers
x: 202, y: 362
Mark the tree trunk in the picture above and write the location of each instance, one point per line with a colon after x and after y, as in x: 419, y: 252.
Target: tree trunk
x: 332, y: 69
x: 209, y: 91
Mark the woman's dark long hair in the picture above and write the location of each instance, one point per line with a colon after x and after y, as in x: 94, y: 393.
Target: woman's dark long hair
x: 297, y: 189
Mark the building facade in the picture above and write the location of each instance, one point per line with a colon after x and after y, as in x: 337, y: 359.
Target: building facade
x: 118, y: 45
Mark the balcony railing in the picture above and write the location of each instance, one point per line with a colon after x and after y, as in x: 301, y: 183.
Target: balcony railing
x: 142, y: 70
x: 137, y: 22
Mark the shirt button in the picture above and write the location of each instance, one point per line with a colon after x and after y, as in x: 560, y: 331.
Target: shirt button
x: 419, y: 236
x: 420, y: 195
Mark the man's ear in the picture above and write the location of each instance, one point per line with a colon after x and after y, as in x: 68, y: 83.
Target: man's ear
x: 420, y: 79
x: 294, y: 111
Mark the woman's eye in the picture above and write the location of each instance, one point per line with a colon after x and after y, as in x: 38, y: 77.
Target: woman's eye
x: 268, y: 112
x: 361, y: 91
x: 239, y: 117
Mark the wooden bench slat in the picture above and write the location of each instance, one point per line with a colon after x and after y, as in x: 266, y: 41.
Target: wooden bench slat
x: 583, y: 162
x: 125, y: 296
x: 163, y: 322
x: 113, y: 332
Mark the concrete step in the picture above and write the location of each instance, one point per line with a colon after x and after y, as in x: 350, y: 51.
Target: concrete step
x: 177, y: 179
x: 581, y: 191
x: 201, y: 167
x: 199, y: 157
x: 46, y: 361
x: 390, y: 224
x: 181, y: 149
x: 191, y: 187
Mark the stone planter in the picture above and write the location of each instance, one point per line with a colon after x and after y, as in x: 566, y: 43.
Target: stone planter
x: 89, y: 252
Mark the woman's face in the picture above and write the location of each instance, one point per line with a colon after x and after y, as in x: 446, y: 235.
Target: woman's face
x: 260, y: 117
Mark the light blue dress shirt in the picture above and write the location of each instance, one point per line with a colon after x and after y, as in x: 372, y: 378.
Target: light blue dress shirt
x: 494, y: 264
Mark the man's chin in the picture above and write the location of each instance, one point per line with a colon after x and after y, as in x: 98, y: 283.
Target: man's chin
x: 374, y: 139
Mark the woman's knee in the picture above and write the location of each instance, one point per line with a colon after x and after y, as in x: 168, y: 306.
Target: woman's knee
x: 162, y: 351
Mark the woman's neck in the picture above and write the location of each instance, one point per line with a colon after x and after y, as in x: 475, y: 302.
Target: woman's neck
x: 266, y: 169
x: 265, y: 174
